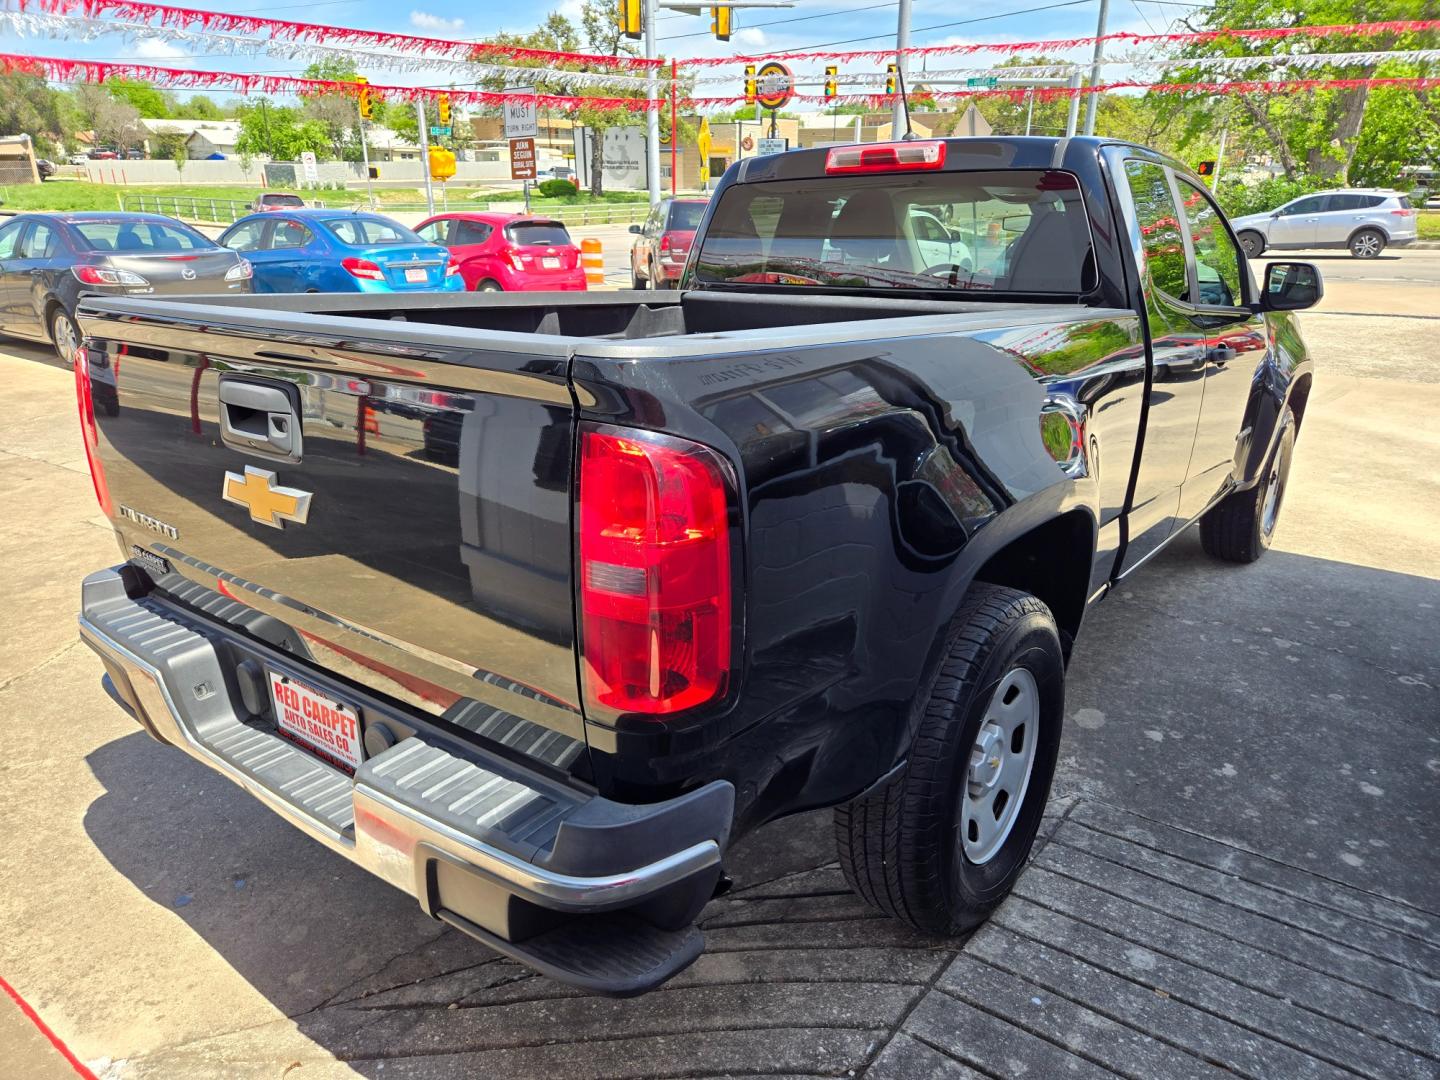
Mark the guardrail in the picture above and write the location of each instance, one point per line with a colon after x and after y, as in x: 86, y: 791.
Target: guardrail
x: 225, y: 211
x: 192, y: 208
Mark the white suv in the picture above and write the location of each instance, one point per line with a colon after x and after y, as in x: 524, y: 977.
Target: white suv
x: 1365, y: 221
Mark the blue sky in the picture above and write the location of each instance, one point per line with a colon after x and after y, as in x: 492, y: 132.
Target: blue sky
x: 810, y: 23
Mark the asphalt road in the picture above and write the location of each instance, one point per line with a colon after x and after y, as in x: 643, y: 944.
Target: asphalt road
x: 1238, y: 877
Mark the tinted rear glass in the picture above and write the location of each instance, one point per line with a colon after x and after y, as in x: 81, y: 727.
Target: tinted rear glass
x: 370, y: 230
x: 538, y: 234
x: 282, y: 200
x: 140, y: 237
x: 1018, y: 231
x: 685, y: 217
x: 1404, y: 201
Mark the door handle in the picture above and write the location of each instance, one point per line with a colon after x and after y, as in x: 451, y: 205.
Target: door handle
x: 1220, y: 354
x: 260, y: 417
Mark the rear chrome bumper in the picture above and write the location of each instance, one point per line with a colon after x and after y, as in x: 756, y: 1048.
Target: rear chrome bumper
x: 505, y: 855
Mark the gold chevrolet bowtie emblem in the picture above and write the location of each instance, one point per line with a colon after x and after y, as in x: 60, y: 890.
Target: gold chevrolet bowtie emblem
x: 268, y: 504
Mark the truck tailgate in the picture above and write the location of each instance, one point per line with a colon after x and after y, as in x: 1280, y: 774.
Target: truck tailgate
x: 391, y: 505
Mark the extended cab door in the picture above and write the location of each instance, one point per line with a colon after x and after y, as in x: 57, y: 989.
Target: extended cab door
x: 1235, y: 346
x: 1177, y: 348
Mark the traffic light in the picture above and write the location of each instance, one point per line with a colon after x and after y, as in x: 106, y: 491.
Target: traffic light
x: 631, y: 24
x: 1205, y: 168
x: 832, y: 88
x: 367, y: 107
x: 750, y: 88
x: 892, y: 72
x: 720, y: 23
x: 442, y: 163
x: 442, y: 110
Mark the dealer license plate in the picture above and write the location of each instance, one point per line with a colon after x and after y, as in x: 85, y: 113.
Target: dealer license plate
x: 416, y: 277
x: 328, y: 728
x: 550, y: 263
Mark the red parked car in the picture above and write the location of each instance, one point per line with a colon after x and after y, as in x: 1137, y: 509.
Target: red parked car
x: 662, y: 244
x: 508, y: 252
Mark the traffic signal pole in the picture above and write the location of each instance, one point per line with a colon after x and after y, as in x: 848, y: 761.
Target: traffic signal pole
x: 902, y: 63
x: 425, y: 156
x: 365, y: 157
x: 652, y: 112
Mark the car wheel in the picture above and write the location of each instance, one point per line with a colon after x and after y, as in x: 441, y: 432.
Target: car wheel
x: 64, y: 335
x: 636, y: 281
x: 1252, y: 243
x: 1367, y: 243
x: 1240, y: 527
x: 942, y: 842
x: 658, y: 280
x: 489, y: 286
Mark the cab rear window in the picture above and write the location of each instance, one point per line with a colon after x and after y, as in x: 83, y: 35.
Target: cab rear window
x: 1012, y: 231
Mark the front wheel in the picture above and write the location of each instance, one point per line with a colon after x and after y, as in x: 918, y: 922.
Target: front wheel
x: 64, y: 335
x: 1252, y: 243
x: 1367, y: 243
x: 941, y: 844
x: 1240, y: 527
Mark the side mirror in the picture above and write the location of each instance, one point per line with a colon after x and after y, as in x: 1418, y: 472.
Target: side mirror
x: 636, y: 229
x: 1291, y: 286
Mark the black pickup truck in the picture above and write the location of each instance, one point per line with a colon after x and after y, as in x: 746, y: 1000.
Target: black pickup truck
x: 532, y: 604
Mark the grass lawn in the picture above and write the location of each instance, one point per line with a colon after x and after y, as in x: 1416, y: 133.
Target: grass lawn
x: 83, y: 195
x: 1429, y: 222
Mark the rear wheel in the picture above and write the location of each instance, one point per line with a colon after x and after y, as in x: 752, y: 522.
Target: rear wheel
x: 489, y: 286
x: 64, y: 335
x: 657, y: 277
x: 1239, y: 528
x: 941, y: 844
x: 1252, y: 243
x: 1367, y: 243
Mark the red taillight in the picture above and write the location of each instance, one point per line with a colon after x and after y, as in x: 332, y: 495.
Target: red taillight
x: 665, y: 241
x: 1403, y: 213
x: 362, y: 268
x: 89, y: 433
x: 654, y: 573
x: 89, y: 275
x: 452, y: 267
x: 886, y: 157
x: 513, y: 258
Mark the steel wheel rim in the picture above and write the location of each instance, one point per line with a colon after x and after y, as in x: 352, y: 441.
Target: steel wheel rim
x: 1270, y: 509
x: 1002, y: 758
x: 1366, y: 246
x: 62, y: 330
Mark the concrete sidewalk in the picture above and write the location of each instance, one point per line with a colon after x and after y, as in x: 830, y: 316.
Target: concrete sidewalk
x: 1238, y: 878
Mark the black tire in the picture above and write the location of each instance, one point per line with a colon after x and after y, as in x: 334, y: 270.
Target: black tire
x: 636, y: 281
x: 900, y: 846
x: 658, y: 281
x: 1240, y: 527
x: 1252, y: 243
x: 64, y: 334
x: 488, y: 286
x: 1367, y: 243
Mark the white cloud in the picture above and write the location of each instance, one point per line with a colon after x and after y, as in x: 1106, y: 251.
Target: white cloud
x: 159, y: 49
x: 423, y: 20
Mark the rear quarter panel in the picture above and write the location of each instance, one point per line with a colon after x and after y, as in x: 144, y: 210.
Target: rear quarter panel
x: 876, y: 478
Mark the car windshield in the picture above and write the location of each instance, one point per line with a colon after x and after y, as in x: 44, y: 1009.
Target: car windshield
x: 141, y: 237
x: 370, y: 230
x: 281, y: 200
x: 1017, y: 230
x: 538, y: 234
x: 685, y: 216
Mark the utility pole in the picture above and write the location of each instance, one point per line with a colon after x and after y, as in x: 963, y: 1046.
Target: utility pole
x: 425, y: 155
x: 1029, y: 110
x: 902, y: 42
x: 365, y: 157
x: 1094, y: 106
x: 1219, y: 159
x: 652, y: 112
x: 1074, y: 116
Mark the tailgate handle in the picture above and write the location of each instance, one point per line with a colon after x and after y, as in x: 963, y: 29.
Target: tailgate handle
x: 259, y: 417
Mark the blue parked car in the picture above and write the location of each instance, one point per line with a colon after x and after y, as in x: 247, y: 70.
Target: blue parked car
x: 339, y: 251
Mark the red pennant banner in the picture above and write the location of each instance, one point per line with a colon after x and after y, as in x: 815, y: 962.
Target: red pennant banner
x: 318, y: 33
x: 1374, y: 29
x: 97, y: 71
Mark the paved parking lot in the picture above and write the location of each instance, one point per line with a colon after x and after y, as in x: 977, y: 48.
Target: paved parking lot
x: 1237, y: 877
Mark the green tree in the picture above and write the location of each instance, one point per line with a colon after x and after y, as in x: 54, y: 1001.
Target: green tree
x: 29, y: 106
x: 335, y: 111
x: 168, y: 144
x: 149, y: 102
x: 198, y: 107
x: 280, y: 132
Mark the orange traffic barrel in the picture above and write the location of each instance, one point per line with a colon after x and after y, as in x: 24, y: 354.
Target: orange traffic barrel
x: 592, y: 258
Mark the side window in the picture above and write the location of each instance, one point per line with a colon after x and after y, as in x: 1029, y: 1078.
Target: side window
x: 246, y: 236
x: 471, y: 232
x: 1159, y: 227
x: 1217, y: 260
x: 434, y: 232
x: 289, y: 234
x: 42, y: 243
x: 1312, y: 205
x: 10, y: 239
